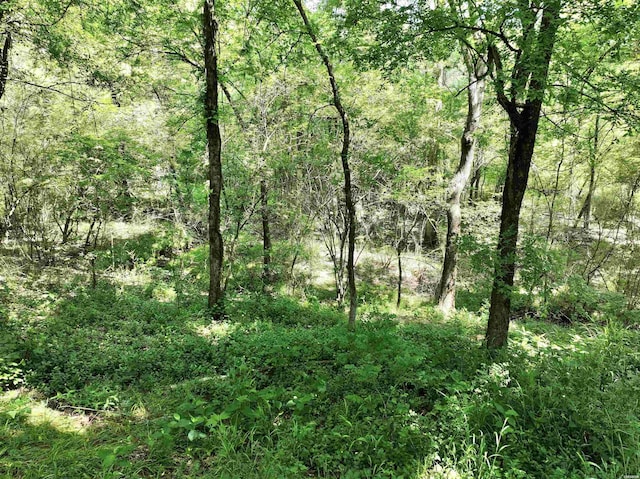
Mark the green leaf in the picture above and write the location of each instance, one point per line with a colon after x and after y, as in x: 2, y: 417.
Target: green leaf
x: 108, y: 460
x: 193, y: 435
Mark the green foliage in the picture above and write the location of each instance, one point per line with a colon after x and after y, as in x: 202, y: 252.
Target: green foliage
x: 127, y: 339
x: 539, y: 399
x: 575, y: 300
x: 12, y: 352
x: 123, y: 374
x: 11, y: 374
x: 542, y: 267
x: 282, y: 389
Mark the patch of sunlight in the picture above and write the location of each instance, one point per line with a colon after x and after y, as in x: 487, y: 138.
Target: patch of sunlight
x: 204, y: 379
x: 528, y: 346
x: 12, y: 395
x: 214, y: 330
x: 134, y: 277
x: 164, y: 294
x: 320, y: 276
x: 138, y: 411
x: 40, y: 414
x: 440, y: 472
x: 122, y: 230
x: 534, y: 344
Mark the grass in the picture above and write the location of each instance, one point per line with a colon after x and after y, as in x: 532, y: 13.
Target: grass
x: 132, y: 379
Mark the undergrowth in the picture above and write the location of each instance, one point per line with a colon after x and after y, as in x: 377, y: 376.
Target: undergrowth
x: 135, y: 380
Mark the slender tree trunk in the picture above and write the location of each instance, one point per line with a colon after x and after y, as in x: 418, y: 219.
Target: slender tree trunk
x: 6, y: 50
x: 556, y: 186
x: 344, y: 155
x: 67, y: 229
x: 401, y: 245
x: 474, y: 185
x: 97, y: 235
x: 399, y: 253
x: 264, y: 201
x: 338, y: 264
x: 586, y: 209
x: 4, y: 63
x: 216, y: 249
x: 585, y: 212
x: 524, y: 118
x: 266, y: 237
x: 87, y: 240
x: 446, y: 291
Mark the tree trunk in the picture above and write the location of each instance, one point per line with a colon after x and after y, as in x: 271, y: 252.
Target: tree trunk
x: 6, y: 49
x: 474, y: 185
x: 344, y: 155
x: 532, y: 65
x: 446, y: 291
x: 399, y: 253
x: 585, y: 212
x: 520, y: 154
x: 266, y: 237
x: 586, y: 208
x: 87, y: 240
x: 556, y: 186
x: 4, y: 63
x: 67, y: 229
x: 216, y: 249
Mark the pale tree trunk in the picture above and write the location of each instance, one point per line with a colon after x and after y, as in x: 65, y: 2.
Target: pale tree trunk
x: 532, y: 65
x: 446, y: 291
x: 6, y: 222
x: 216, y: 251
x: 344, y: 155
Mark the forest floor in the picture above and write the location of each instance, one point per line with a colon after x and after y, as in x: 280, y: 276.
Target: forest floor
x: 132, y: 379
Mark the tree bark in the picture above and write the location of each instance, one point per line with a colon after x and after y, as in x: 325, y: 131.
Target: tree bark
x: 474, y: 185
x: 216, y: 248
x: 344, y: 155
x: 6, y: 49
x: 4, y: 63
x: 266, y: 237
x: 520, y: 154
x: 446, y: 290
x: 528, y: 79
x: 585, y: 212
x: 399, y: 254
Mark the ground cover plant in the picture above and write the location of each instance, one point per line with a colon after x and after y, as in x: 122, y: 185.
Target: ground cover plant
x: 125, y: 381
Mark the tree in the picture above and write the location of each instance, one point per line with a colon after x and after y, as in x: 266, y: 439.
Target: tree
x: 344, y: 155
x: 6, y: 50
x: 539, y: 24
x: 216, y: 247
x: 477, y: 69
